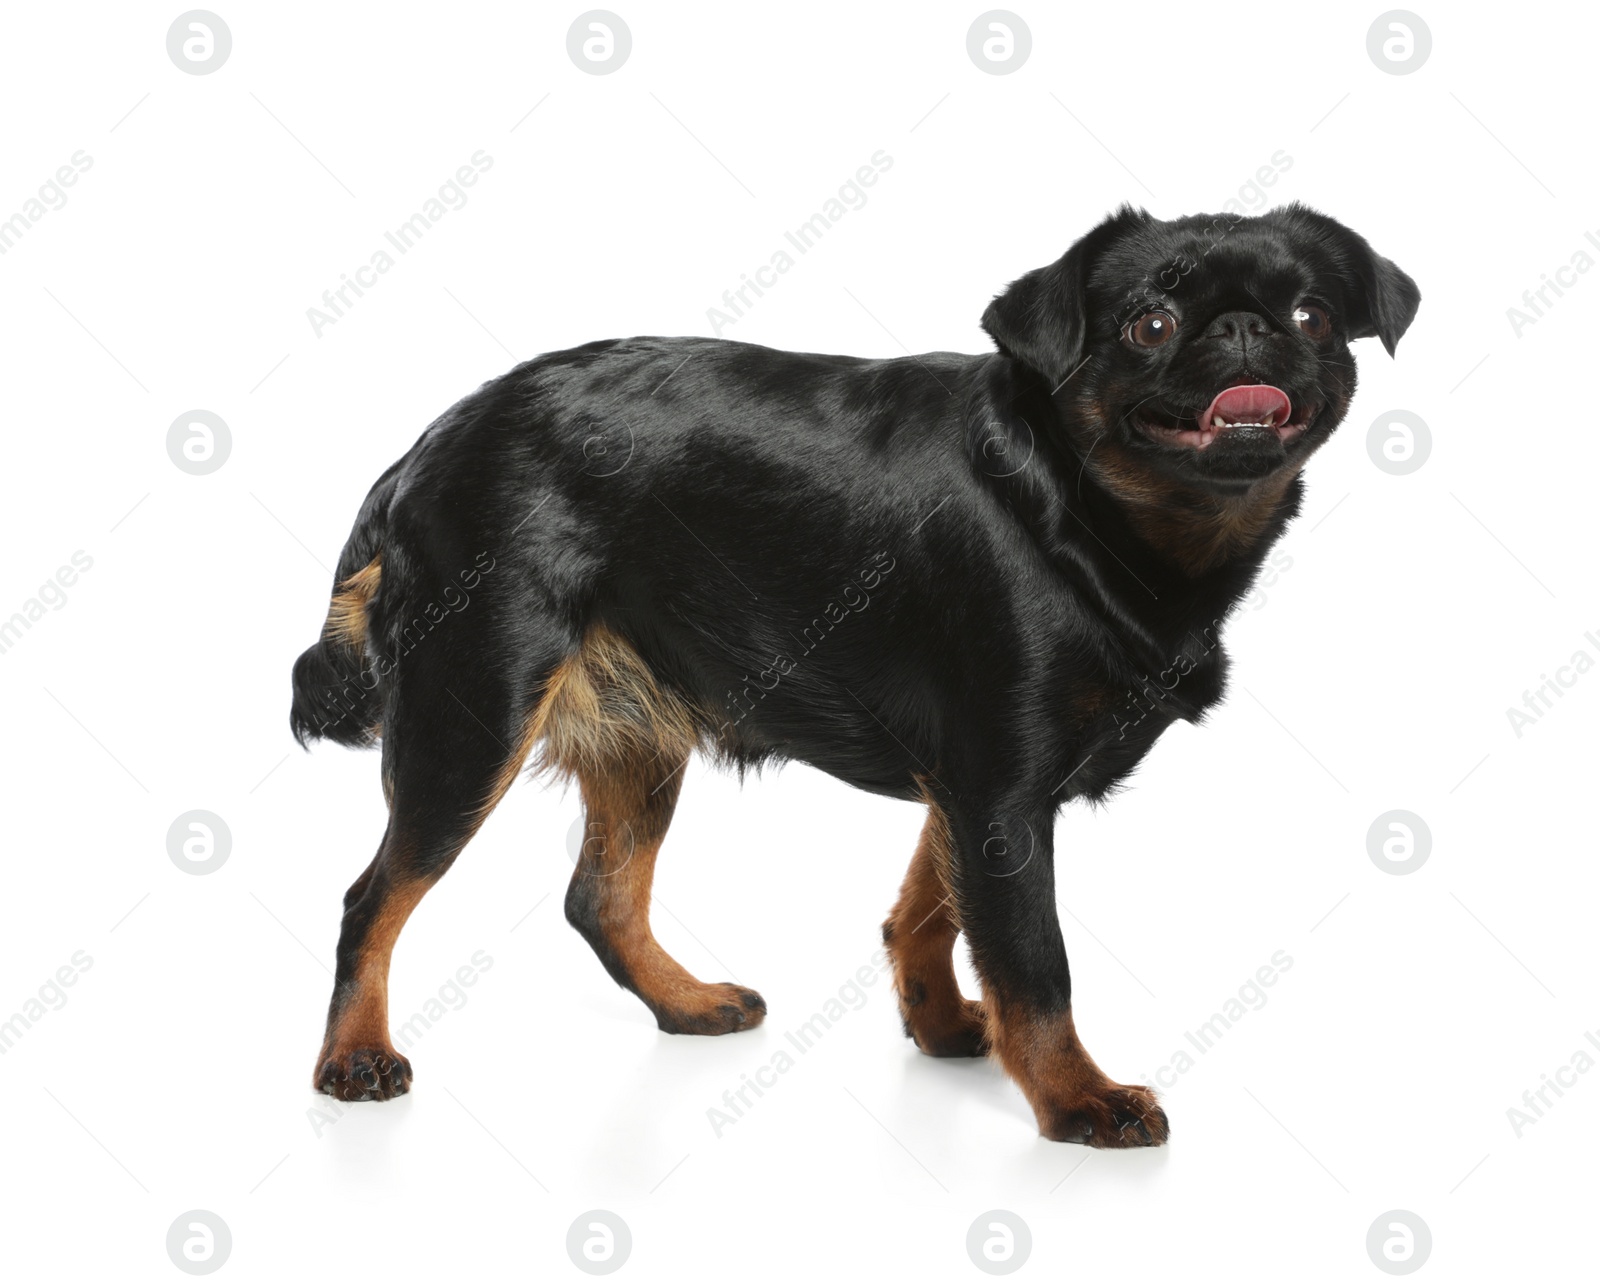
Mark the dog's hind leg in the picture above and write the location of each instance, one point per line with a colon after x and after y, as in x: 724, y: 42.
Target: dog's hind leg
x: 628, y: 743
x: 627, y: 806
x: 455, y: 736
x: 920, y: 935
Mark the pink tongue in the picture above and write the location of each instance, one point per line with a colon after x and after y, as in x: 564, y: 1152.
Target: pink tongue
x: 1249, y: 404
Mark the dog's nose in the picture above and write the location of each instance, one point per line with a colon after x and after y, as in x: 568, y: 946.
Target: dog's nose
x: 1239, y: 327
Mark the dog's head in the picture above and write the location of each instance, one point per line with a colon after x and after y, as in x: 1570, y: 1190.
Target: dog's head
x: 1211, y: 351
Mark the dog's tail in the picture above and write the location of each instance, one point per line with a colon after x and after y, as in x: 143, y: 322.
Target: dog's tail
x: 337, y: 695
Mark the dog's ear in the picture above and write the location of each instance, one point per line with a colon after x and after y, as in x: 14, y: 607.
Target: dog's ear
x: 1392, y: 299
x: 1382, y: 299
x: 1040, y: 319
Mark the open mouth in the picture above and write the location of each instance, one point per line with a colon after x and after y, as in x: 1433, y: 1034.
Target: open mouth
x: 1243, y: 411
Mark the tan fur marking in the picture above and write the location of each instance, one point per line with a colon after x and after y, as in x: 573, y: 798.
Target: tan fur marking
x: 347, y: 613
x: 1196, y: 530
x: 364, y: 1021
x: 600, y: 706
x: 606, y: 720
x: 921, y: 934
x: 1072, y: 1099
x: 1045, y: 1057
x: 603, y: 706
x: 628, y: 805
x: 613, y: 803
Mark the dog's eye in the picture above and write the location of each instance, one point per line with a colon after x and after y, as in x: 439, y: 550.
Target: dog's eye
x: 1152, y: 330
x: 1313, y: 321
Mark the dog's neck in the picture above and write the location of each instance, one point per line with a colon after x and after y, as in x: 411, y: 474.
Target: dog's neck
x: 1102, y: 515
x: 1194, y: 530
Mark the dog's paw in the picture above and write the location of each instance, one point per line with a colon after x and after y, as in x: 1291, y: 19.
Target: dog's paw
x: 949, y: 1031
x: 1109, y: 1116
x: 715, y: 1009
x: 360, y: 1075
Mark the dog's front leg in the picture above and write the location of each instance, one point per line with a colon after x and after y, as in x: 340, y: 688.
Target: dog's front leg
x: 1004, y: 884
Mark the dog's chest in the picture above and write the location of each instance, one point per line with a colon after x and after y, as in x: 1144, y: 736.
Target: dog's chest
x: 1119, y: 717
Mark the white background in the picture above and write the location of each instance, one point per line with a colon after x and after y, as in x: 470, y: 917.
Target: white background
x: 1373, y: 675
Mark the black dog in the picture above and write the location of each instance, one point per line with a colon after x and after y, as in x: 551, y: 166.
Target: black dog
x: 986, y: 583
